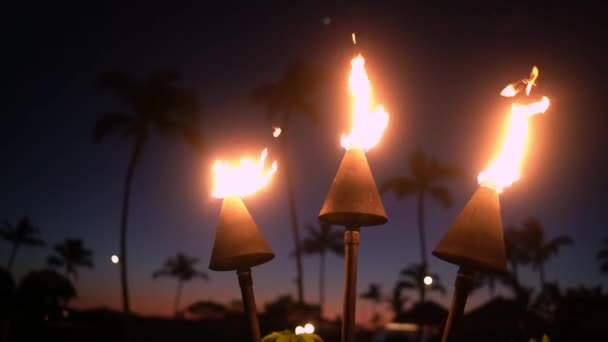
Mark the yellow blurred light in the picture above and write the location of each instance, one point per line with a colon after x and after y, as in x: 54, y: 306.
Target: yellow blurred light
x: 309, y: 328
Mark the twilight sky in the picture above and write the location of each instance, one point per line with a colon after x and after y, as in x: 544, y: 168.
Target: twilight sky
x: 438, y: 73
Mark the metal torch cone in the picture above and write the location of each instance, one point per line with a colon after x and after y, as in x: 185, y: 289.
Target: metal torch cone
x: 475, y: 242
x: 239, y: 245
x: 353, y: 201
x: 476, y: 239
x: 238, y: 241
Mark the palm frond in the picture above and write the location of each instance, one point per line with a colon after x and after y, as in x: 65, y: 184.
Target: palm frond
x: 54, y: 261
x: 442, y: 195
x: 113, y: 123
x: 400, y: 186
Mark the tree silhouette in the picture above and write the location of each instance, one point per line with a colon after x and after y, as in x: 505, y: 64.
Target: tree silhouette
x: 396, y: 300
x: 485, y: 279
x: 374, y: 295
x: 206, y: 309
x: 181, y: 267
x: 427, y: 177
x: 292, y: 97
x: 320, y: 241
x: 70, y: 255
x: 602, y: 256
x: 515, y: 250
x: 412, y: 277
x: 538, y: 248
x: 155, y: 102
x: 24, y: 233
x: 44, y: 294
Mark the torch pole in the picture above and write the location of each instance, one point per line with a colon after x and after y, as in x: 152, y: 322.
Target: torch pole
x: 462, y: 288
x: 246, y: 284
x: 351, y: 252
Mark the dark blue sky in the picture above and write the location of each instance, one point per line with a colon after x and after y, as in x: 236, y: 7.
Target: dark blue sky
x: 438, y: 72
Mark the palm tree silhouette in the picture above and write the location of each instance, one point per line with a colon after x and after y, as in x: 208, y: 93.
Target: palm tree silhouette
x: 396, y: 299
x: 155, y: 102
x: 412, y: 277
x: 321, y: 241
x: 374, y: 295
x: 21, y: 234
x: 602, y: 256
x: 292, y: 97
x: 70, y: 255
x: 426, y: 178
x: 183, y: 268
x: 515, y: 250
x: 538, y: 248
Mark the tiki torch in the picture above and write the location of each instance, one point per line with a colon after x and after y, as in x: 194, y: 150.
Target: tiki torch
x: 239, y: 245
x: 475, y: 241
x: 353, y: 200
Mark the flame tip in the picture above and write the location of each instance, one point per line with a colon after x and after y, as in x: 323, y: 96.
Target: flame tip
x: 243, y: 179
x: 368, y: 125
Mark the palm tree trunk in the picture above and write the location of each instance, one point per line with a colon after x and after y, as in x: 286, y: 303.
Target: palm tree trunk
x: 541, y: 273
x: 514, y: 270
x: 422, y: 234
x: 293, y: 214
x: 422, y: 293
x: 123, y: 223
x: 321, y: 283
x: 178, y: 295
x: 11, y: 258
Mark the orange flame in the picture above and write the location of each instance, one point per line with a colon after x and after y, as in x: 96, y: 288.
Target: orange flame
x: 514, y: 88
x: 504, y: 170
x: 243, y: 179
x: 368, y: 126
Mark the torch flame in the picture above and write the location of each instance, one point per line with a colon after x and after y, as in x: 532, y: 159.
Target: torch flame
x: 514, y: 88
x: 368, y: 126
x: 530, y: 82
x: 504, y: 170
x: 243, y: 179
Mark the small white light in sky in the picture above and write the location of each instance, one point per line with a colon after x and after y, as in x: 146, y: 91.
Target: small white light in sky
x: 428, y: 280
x: 115, y: 259
x: 326, y: 20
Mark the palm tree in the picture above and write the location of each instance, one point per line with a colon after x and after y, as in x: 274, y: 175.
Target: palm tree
x: 70, y: 255
x: 21, y: 234
x: 374, y: 295
x: 426, y: 178
x: 180, y: 267
x: 412, y: 277
x: 155, y: 102
x: 515, y: 250
x: 397, y: 300
x: 321, y: 241
x: 602, y: 256
x: 538, y: 248
x: 292, y: 97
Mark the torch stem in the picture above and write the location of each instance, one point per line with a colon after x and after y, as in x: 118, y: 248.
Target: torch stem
x: 351, y: 252
x: 462, y: 288
x: 246, y: 284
